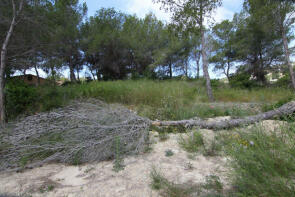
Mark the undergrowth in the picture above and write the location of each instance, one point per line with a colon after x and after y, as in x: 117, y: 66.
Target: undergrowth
x: 212, y: 187
x: 163, y: 100
x: 263, y: 161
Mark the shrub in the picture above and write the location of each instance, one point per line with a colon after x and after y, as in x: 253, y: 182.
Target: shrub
x: 169, y: 153
x: 242, y: 80
x: 284, y: 81
x: 19, y: 98
x: 192, y: 143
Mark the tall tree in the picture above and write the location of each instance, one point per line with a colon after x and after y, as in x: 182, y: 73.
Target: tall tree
x: 191, y: 13
x: 223, y: 47
x: 257, y: 43
x: 17, y: 7
x: 67, y: 35
x: 282, y: 13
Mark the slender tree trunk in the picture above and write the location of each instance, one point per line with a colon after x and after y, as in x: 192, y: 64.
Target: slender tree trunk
x: 3, y: 62
x: 205, y: 67
x: 91, y: 71
x: 287, y: 56
x: 98, y: 75
x: 78, y: 75
x: 170, y: 70
x: 186, y: 68
x: 72, y: 72
x: 38, y: 77
x: 198, y: 64
x: 228, y: 69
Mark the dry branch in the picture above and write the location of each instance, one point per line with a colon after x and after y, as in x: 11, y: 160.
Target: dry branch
x: 286, y: 109
x: 79, y: 133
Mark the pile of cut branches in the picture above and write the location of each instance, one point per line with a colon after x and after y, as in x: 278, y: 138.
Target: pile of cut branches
x: 82, y: 132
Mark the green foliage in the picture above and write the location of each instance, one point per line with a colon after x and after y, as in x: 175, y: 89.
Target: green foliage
x: 162, y: 100
x: 163, y: 136
x: 169, y: 153
x: 167, y: 188
x: 212, y: 186
x: 285, y: 81
x: 192, y: 143
x: 19, y: 98
x: 118, y: 162
x: 213, y: 149
x: 263, y: 161
x: 242, y: 80
x: 213, y: 183
x: 46, y: 188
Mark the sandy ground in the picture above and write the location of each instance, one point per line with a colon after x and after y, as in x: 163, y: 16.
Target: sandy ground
x: 99, y: 180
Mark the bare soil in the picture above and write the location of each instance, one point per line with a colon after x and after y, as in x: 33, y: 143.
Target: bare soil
x: 99, y: 179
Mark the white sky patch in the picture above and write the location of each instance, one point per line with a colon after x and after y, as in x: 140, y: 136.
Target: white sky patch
x: 143, y: 7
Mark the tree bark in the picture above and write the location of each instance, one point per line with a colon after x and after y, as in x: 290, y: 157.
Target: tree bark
x: 227, y: 70
x: 205, y: 67
x: 38, y: 77
x: 72, y: 73
x: 286, y: 109
x: 78, y: 75
x: 287, y: 57
x: 3, y: 60
x: 198, y: 55
x: 170, y: 70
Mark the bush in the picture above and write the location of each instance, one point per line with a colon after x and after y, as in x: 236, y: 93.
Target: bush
x: 242, y: 80
x: 192, y: 143
x: 215, y: 83
x: 284, y: 81
x: 19, y: 98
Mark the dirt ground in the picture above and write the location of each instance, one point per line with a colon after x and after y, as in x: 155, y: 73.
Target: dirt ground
x: 99, y: 179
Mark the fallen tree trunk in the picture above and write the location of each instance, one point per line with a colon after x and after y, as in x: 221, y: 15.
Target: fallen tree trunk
x: 286, y: 109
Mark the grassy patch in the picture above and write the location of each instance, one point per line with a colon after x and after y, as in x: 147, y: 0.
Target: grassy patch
x: 163, y: 100
x: 191, y: 142
x: 212, y: 186
x: 163, y: 136
x: 263, y: 162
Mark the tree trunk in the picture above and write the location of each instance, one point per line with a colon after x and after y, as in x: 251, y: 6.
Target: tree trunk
x: 72, y: 73
x: 227, y: 70
x: 3, y: 62
x: 287, y: 56
x: 78, y: 75
x: 198, y: 55
x: 205, y: 67
x: 93, y: 76
x: 170, y: 70
x: 98, y: 75
x: 38, y: 77
x: 286, y: 109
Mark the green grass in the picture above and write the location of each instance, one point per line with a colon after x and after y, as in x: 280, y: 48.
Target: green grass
x: 263, y: 162
x: 163, y: 100
x: 211, y: 188
x: 192, y: 143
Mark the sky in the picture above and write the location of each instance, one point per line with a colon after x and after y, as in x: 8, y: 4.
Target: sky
x: 143, y: 7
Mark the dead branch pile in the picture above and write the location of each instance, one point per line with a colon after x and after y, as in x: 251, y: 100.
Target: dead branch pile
x: 81, y: 132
